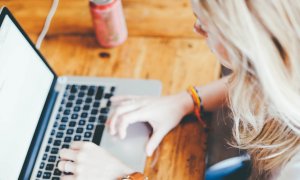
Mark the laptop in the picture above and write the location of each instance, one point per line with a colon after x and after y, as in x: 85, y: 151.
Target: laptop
x: 40, y: 113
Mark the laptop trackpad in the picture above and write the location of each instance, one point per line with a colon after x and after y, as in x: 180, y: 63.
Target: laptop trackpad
x: 131, y: 150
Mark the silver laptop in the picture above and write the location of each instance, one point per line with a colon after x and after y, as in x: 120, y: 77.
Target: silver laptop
x: 41, y: 113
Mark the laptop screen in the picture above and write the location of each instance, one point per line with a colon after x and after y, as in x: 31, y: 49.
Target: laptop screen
x: 25, y: 81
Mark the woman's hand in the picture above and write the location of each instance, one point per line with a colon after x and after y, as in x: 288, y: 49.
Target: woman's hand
x: 89, y: 161
x: 162, y: 113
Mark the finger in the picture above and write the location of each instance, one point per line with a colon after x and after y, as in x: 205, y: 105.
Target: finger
x: 124, y: 103
x: 127, y: 119
x: 115, y: 99
x: 67, y: 166
x: 76, y: 145
x: 118, y: 112
x: 154, y: 142
x: 68, y: 154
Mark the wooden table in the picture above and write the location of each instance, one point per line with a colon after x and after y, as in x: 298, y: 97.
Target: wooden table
x: 161, y: 45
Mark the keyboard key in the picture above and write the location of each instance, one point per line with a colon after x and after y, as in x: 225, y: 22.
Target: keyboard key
x: 47, y: 149
x: 96, y: 104
x: 67, y: 112
x: 52, y: 132
x: 52, y: 158
x: 79, y: 101
x: 70, y: 131
x: 69, y: 105
x: 74, y: 89
x: 54, y: 150
x: 108, y: 96
x: 58, y: 116
x: 87, y: 134
x: 65, y: 173
x: 62, y: 127
x: 89, y: 127
x: 71, y: 98
x: 108, y: 104
x: 42, y: 165
x: 81, y: 122
x: 84, y: 115
x: 98, y: 134
x: 99, y: 93
x: 81, y: 94
x: 67, y: 139
x: 76, y: 109
x: 102, y: 118
x: 59, y: 134
x: 44, y: 156
x: 72, y: 124
x: 39, y: 174
x: 60, y: 109
x: 63, y: 101
x: 47, y: 175
x: 112, y: 89
x: 55, y: 124
x: 86, y: 107
x: 79, y: 130
x: 50, y: 140
x: 88, y: 100
x: 94, y: 112
x: 74, y: 116
x: 91, y: 92
x: 83, y: 88
x: 64, y: 119
x: 77, y: 138
x: 92, y: 119
x: 57, y: 172
x: 68, y: 87
x: 66, y: 146
x: 55, y: 178
x: 50, y: 167
x: 104, y: 110
x: 57, y: 142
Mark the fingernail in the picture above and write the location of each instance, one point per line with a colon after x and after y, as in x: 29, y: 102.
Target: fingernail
x: 59, y: 166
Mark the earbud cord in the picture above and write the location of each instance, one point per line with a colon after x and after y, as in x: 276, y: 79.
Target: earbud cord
x: 47, y: 24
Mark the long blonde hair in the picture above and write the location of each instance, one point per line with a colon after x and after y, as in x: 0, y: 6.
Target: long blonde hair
x: 262, y: 41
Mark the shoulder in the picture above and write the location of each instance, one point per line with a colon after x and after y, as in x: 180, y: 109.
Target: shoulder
x: 290, y: 170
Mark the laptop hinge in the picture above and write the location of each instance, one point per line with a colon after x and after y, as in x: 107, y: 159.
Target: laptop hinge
x: 39, y: 134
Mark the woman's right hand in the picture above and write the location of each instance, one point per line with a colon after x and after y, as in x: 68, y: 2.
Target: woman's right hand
x: 162, y: 113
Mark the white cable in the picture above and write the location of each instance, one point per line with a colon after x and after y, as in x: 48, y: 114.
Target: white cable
x: 47, y: 24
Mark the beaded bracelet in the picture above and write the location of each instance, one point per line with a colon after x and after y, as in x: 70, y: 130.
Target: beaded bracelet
x: 198, y: 104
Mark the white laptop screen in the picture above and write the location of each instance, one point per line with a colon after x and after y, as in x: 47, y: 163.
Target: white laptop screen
x: 25, y: 81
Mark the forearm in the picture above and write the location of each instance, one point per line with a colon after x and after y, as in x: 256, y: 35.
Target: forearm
x: 213, y: 95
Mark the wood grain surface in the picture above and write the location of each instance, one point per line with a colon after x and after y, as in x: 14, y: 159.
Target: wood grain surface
x: 161, y: 45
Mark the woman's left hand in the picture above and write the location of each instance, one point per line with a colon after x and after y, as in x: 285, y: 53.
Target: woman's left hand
x: 86, y: 160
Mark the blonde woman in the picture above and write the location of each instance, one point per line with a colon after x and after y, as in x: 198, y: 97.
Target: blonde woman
x: 259, y: 40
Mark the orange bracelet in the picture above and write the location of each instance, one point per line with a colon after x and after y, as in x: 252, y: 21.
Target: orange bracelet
x: 197, y: 104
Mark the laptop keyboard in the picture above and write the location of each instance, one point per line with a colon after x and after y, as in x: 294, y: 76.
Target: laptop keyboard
x: 81, y: 117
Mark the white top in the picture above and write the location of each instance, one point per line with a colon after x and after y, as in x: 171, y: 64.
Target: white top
x: 291, y: 171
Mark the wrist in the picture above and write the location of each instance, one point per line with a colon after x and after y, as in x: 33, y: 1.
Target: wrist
x: 187, y: 104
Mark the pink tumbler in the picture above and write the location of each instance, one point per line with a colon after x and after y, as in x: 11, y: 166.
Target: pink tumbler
x: 109, y: 22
